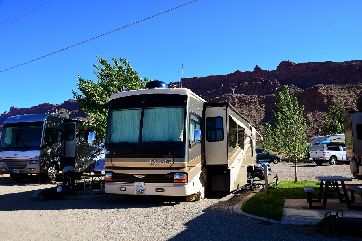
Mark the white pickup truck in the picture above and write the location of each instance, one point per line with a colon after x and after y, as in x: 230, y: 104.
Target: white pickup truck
x: 333, y: 154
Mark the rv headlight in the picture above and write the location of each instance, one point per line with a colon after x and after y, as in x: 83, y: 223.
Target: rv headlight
x: 33, y: 162
x: 2, y: 162
x: 180, y: 177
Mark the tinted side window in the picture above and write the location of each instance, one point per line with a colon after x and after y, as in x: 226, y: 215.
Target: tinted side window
x: 214, y: 129
x: 83, y: 136
x: 333, y: 148
x: 70, y: 132
x: 359, y: 131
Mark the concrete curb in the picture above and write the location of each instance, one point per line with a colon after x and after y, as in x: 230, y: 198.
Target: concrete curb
x: 237, y: 208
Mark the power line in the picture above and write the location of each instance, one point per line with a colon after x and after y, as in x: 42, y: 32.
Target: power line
x: 100, y: 35
x: 23, y: 15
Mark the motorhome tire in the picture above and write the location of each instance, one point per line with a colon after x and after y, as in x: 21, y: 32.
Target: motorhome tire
x: 353, y: 167
x: 333, y: 161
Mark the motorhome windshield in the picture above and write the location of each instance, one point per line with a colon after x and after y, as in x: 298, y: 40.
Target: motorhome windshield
x: 146, y: 125
x: 22, y: 135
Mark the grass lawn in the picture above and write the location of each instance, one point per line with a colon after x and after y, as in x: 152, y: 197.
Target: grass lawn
x: 270, y: 205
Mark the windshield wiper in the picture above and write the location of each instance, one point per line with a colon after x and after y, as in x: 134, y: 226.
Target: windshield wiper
x: 26, y: 147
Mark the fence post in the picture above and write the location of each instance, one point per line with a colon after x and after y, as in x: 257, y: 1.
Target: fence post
x: 266, y: 178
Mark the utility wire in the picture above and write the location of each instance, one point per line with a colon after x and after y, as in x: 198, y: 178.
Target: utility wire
x: 23, y: 15
x: 100, y: 35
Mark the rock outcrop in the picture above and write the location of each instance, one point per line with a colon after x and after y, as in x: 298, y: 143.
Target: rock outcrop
x: 69, y: 107
x: 315, y: 84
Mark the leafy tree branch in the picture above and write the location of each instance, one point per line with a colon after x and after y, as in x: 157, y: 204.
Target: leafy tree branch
x: 93, y: 96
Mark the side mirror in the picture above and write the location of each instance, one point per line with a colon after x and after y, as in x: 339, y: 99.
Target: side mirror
x: 91, y: 137
x: 197, y: 135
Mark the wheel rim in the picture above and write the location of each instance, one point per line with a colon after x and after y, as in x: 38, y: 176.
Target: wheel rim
x: 52, y: 172
x: 333, y: 161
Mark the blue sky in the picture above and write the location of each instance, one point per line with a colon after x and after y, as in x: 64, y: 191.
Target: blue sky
x: 208, y: 37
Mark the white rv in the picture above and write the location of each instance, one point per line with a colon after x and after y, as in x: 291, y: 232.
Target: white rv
x: 42, y: 144
x: 171, y: 142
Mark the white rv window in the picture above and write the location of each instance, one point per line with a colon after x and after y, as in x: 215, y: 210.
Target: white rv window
x: 125, y: 125
x: 214, y: 129
x: 163, y: 124
x: 159, y: 124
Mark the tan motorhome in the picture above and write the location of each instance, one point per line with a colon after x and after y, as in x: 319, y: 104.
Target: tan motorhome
x: 171, y: 142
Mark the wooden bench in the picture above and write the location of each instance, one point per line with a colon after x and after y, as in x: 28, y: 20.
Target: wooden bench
x: 309, y: 190
x: 355, y: 189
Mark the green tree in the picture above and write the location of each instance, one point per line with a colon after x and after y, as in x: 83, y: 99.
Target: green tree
x: 95, y: 95
x: 333, y: 123
x: 287, y: 132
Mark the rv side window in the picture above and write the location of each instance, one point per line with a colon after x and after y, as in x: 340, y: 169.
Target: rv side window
x: 70, y: 132
x: 51, y: 136
x: 83, y: 136
x: 194, y: 125
x: 359, y: 131
x: 214, y: 129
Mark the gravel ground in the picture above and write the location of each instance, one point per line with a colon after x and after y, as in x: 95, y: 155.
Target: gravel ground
x: 308, y: 171
x: 110, y: 217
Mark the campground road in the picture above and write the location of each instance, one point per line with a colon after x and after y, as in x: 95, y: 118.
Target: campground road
x: 110, y: 217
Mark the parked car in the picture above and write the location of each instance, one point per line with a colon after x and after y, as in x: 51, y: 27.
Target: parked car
x: 266, y: 156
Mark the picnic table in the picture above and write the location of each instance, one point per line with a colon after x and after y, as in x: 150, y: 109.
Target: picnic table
x: 330, y: 187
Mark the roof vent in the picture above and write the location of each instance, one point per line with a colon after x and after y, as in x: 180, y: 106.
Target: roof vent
x: 156, y: 84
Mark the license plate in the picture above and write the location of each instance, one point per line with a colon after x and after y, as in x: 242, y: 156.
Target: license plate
x: 140, y: 191
x: 140, y: 188
x: 16, y: 171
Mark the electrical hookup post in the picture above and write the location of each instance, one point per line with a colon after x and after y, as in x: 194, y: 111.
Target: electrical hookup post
x: 266, y: 178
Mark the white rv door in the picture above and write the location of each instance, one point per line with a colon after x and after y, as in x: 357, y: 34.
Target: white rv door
x: 70, y: 139
x: 216, y: 136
